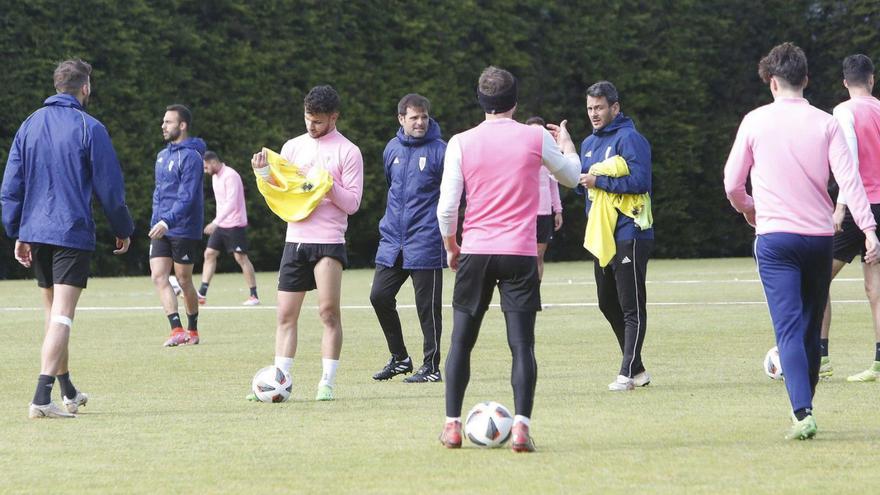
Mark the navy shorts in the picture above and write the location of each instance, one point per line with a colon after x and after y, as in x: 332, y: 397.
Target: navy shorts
x: 181, y: 251
x: 231, y: 240
x: 297, y: 271
x: 515, y: 276
x: 545, y: 228
x: 850, y: 241
x: 60, y: 265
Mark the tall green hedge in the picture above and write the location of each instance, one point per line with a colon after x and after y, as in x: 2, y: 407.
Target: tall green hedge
x: 685, y: 70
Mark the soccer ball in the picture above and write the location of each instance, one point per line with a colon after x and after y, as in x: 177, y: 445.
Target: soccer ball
x: 488, y: 424
x: 772, y: 365
x: 272, y: 384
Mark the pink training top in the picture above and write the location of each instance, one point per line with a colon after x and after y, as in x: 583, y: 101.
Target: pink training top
x: 229, y: 194
x: 496, y: 165
x: 786, y: 148
x: 859, y: 119
x: 329, y: 221
x: 548, y: 190
x: 499, y: 164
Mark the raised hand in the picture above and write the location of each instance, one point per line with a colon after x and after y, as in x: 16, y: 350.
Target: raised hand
x: 562, y: 137
x: 259, y: 160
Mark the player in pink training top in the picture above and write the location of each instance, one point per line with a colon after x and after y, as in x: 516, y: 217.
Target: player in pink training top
x: 859, y: 118
x: 785, y: 149
x: 549, y: 206
x: 496, y: 164
x: 228, y: 231
x: 314, y: 252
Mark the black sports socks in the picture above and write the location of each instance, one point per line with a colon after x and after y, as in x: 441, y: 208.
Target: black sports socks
x: 192, y: 322
x: 67, y: 388
x: 43, y: 395
x: 174, y: 320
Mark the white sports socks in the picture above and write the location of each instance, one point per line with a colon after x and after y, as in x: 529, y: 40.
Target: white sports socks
x: 285, y: 363
x: 329, y: 376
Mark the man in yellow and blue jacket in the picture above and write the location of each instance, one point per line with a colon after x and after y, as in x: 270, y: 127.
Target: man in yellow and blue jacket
x: 620, y: 275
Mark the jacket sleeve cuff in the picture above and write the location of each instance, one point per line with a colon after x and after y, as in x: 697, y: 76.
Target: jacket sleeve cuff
x: 263, y: 173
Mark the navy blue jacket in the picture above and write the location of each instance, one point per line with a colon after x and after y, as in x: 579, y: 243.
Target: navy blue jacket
x: 61, y: 156
x: 620, y: 137
x: 178, y: 198
x: 413, y: 169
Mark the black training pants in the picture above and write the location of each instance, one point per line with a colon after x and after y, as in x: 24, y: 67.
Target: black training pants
x: 520, y: 339
x: 428, y: 286
x: 621, y: 290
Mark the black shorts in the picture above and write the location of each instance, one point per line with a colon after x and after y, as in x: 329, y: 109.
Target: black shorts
x: 515, y: 276
x: 545, y: 228
x: 60, y: 265
x: 850, y: 241
x: 231, y: 240
x: 297, y: 271
x: 181, y: 251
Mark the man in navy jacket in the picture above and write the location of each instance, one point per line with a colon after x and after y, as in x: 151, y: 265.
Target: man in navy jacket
x: 621, y: 284
x: 176, y: 224
x: 410, y: 245
x: 60, y: 157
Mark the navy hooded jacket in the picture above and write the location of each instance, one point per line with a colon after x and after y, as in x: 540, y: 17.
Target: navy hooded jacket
x: 413, y: 170
x: 620, y: 137
x: 61, y: 156
x: 178, y: 199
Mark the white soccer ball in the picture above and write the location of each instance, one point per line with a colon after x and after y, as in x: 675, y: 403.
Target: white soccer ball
x: 272, y: 384
x: 488, y: 424
x: 772, y: 365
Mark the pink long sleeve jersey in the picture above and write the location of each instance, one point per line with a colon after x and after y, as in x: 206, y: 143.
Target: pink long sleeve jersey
x: 786, y: 147
x: 329, y: 221
x: 859, y: 119
x: 229, y: 195
x: 548, y: 188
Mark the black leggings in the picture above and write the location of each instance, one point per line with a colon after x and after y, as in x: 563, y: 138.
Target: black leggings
x: 524, y: 372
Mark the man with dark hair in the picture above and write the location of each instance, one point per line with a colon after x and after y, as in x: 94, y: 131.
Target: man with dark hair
x: 549, y: 206
x: 322, y: 100
x: 410, y: 245
x: 228, y: 231
x: 497, y: 164
x: 620, y: 269
x: 314, y: 253
x: 59, y: 158
x: 787, y: 64
x: 176, y: 224
x: 859, y: 119
x: 785, y: 148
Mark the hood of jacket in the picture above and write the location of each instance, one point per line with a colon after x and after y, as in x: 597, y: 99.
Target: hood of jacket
x: 619, y: 122
x: 63, y: 100
x: 193, y: 143
x: 432, y: 134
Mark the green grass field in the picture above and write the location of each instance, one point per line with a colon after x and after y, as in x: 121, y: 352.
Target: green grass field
x: 175, y: 420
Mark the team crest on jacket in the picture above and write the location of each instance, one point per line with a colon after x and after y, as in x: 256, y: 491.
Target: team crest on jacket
x: 422, y: 161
